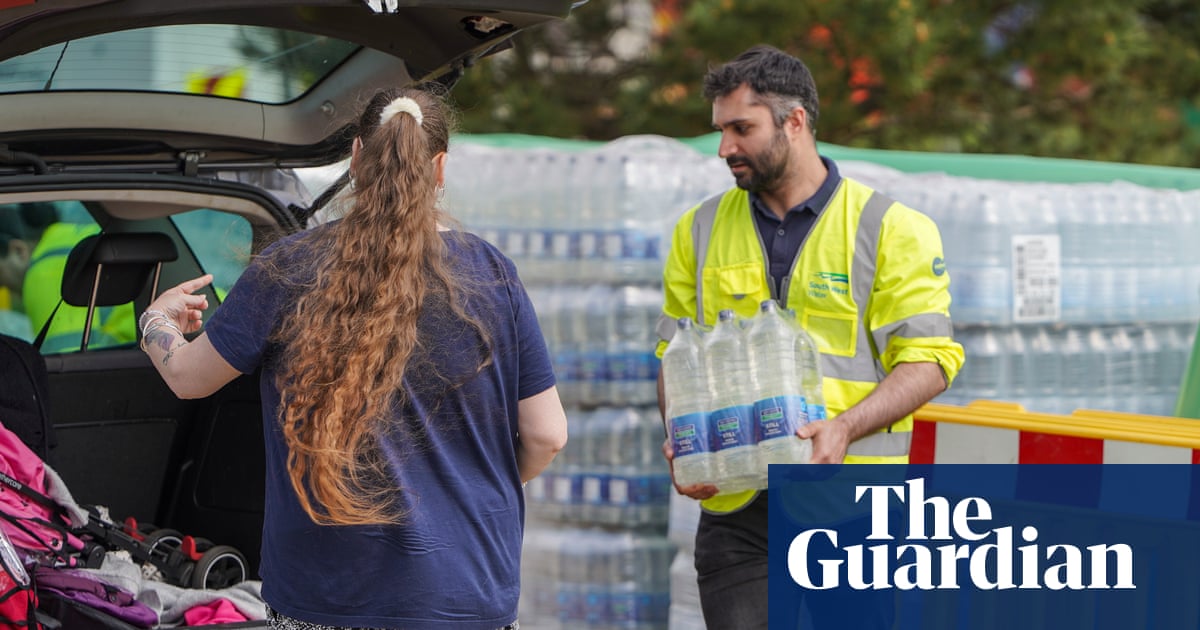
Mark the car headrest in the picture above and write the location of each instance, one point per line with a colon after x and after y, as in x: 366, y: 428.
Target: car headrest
x: 124, y: 262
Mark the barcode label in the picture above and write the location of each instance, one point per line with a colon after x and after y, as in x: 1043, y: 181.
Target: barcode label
x: 1037, y: 278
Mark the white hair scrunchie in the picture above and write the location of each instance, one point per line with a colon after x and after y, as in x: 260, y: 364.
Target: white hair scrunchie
x: 402, y: 104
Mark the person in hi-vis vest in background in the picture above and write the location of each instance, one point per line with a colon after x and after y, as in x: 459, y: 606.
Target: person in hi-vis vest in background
x: 791, y: 226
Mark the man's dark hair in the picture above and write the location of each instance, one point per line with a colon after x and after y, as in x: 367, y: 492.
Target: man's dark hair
x: 782, y: 81
x: 25, y: 221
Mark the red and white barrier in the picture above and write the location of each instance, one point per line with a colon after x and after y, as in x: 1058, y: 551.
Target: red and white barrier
x: 1004, y: 433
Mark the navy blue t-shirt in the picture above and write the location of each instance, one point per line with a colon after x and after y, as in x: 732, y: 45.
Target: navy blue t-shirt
x: 454, y: 561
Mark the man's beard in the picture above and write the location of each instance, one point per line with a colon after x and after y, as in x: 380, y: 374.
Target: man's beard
x: 766, y: 169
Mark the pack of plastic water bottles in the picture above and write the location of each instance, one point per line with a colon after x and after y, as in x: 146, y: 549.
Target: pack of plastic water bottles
x: 735, y: 396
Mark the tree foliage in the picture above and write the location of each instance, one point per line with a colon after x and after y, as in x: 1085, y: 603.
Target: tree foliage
x: 1112, y: 80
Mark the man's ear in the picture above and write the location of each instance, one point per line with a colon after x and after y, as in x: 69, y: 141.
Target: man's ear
x: 21, y: 249
x: 797, y: 121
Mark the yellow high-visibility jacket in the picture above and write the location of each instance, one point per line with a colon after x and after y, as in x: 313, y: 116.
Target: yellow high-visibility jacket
x: 111, y: 326
x: 869, y: 284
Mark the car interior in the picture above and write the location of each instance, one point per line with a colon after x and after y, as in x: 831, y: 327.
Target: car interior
x: 193, y: 466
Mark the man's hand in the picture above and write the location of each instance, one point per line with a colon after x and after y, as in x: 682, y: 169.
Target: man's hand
x: 698, y: 491
x: 830, y: 440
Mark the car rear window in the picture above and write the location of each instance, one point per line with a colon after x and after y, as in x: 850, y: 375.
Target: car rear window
x: 221, y: 242
x: 260, y: 64
x: 37, y: 237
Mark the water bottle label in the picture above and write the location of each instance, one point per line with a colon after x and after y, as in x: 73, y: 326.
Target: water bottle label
x: 689, y: 434
x: 639, y: 490
x: 536, y: 244
x: 593, y: 489
x: 618, y: 491
x: 566, y: 365
x: 779, y: 416
x: 816, y: 412
x: 640, y: 607
x: 514, y: 243
x: 562, y: 488
x: 632, y: 366
x: 563, y: 245
x: 572, y: 604
x: 732, y: 427
x: 588, y: 245
x: 654, y: 248
x: 596, y: 606
x: 635, y: 246
x: 612, y: 246
x: 593, y: 366
x: 535, y: 490
x: 621, y: 367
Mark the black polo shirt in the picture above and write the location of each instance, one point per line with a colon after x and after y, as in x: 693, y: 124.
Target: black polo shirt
x: 781, y: 239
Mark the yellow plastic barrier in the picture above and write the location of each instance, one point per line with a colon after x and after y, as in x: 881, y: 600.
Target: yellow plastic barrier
x: 998, y: 421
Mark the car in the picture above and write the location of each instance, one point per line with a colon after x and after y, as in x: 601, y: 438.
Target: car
x: 146, y: 143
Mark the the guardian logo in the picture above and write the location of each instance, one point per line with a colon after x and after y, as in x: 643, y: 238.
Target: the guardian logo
x: 974, y: 554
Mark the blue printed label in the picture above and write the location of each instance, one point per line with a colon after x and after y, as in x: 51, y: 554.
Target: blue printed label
x: 639, y: 489
x: 595, y: 489
x: 689, y: 434
x: 779, y: 416
x: 732, y: 427
x: 632, y: 366
x: 816, y: 412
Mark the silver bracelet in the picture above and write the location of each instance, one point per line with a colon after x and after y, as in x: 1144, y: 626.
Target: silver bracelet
x: 153, y: 325
x: 143, y: 318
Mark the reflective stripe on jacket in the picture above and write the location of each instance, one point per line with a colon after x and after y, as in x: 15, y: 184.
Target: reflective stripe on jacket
x: 872, y: 291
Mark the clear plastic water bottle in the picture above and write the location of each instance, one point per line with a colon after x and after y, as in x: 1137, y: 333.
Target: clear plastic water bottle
x: 595, y: 469
x: 1044, y: 373
x: 985, y: 374
x: 632, y: 367
x: 567, y: 484
x: 731, y: 385
x: 540, y: 576
x: 780, y: 408
x: 812, y: 377
x: 598, y: 325
x: 1080, y: 366
x: 1123, y: 370
x: 639, y: 486
x: 685, y: 388
x: 640, y: 580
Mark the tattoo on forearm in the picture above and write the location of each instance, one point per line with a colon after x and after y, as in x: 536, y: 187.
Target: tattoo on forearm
x: 161, y: 338
x: 170, y: 353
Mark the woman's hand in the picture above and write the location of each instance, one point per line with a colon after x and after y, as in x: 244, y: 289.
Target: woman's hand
x: 179, y: 306
x: 191, y: 370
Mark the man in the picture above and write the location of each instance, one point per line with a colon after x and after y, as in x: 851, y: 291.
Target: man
x: 864, y: 275
x: 21, y: 227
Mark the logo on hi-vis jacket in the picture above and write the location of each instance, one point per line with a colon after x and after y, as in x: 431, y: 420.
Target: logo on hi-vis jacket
x: 827, y: 282
x: 939, y: 266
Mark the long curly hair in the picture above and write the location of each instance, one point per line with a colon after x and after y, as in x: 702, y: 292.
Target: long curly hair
x: 352, y: 333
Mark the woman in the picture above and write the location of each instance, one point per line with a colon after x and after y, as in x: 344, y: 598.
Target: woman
x: 407, y: 394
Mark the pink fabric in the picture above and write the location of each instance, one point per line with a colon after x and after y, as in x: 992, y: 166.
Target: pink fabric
x: 216, y: 611
x: 22, y: 464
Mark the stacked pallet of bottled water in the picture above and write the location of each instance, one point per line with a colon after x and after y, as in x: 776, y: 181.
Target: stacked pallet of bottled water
x: 596, y: 554
x: 1067, y: 295
x: 588, y: 231
x: 685, y: 594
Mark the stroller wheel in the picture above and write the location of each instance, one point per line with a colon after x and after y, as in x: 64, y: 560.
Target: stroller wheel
x: 219, y: 567
x: 163, y: 539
